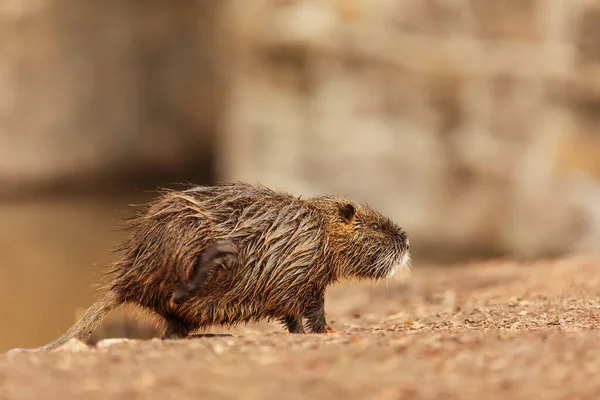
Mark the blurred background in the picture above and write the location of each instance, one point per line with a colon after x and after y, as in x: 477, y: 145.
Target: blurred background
x: 472, y: 123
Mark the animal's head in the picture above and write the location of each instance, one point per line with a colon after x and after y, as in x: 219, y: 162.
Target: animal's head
x: 366, y: 243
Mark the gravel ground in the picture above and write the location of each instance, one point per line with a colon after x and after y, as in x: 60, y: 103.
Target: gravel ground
x: 489, y: 330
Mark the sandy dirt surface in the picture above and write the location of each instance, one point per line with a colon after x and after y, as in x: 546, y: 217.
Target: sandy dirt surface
x: 491, y: 330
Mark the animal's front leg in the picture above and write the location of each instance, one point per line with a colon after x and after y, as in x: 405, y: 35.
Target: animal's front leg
x: 293, y: 324
x: 315, y: 315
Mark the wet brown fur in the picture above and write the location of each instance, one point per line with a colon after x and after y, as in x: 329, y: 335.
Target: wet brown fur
x: 288, y: 251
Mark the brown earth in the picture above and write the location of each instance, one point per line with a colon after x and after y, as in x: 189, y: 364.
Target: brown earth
x: 490, y: 330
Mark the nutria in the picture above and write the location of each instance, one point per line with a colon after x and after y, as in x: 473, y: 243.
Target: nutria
x: 233, y: 253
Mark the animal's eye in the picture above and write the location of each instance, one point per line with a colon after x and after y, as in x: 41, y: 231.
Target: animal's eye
x: 375, y: 227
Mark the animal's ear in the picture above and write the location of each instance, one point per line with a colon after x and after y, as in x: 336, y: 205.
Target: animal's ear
x: 347, y: 212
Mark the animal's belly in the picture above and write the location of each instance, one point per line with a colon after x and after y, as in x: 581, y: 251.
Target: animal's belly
x: 206, y: 313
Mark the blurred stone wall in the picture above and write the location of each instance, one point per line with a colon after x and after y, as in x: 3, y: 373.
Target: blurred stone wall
x: 104, y: 88
x: 473, y: 123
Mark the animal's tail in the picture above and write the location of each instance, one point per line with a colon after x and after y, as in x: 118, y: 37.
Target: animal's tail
x: 83, y: 329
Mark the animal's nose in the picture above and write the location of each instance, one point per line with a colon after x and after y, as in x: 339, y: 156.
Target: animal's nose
x: 404, y: 239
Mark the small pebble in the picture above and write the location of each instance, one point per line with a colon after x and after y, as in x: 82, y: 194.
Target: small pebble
x: 106, y: 343
x: 75, y: 346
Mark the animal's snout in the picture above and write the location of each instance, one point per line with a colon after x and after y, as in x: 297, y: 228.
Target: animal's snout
x: 404, y: 240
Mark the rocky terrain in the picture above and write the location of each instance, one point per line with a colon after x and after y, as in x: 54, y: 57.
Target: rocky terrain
x: 497, y: 330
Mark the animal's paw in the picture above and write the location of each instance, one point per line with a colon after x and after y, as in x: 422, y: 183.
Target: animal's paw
x: 181, y: 293
x: 328, y: 329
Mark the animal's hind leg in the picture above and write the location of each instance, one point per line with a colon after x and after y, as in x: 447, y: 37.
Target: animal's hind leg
x: 212, y: 256
x: 177, y: 328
